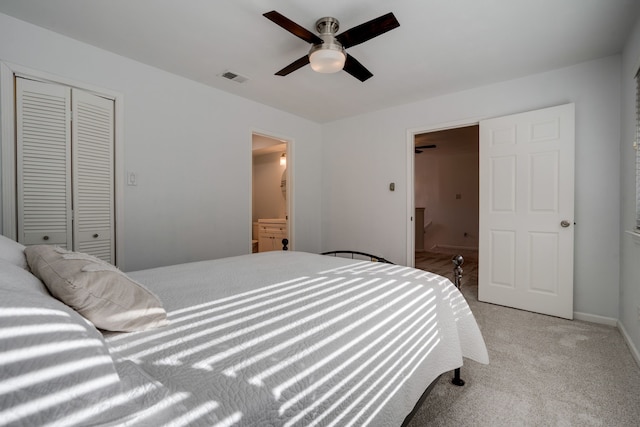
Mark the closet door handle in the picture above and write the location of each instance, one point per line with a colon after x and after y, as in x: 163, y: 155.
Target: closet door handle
x: 45, y: 238
x: 95, y: 236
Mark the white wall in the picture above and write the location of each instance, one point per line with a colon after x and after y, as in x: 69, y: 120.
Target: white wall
x: 190, y: 146
x: 630, y: 247
x: 361, y: 155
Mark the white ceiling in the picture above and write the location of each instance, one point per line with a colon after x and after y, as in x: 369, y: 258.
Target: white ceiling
x: 441, y: 46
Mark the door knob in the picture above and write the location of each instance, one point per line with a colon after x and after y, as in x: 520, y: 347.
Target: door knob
x: 564, y: 223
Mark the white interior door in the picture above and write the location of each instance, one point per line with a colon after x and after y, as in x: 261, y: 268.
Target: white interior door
x: 43, y: 114
x: 527, y: 211
x: 92, y: 170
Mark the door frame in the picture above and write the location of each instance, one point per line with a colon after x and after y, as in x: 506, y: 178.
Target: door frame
x: 290, y: 152
x: 411, y: 203
x: 8, y: 213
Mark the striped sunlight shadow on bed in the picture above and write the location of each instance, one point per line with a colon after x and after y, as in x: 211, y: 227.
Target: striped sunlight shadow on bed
x: 416, y: 326
x: 208, y: 362
x: 258, y: 380
x: 243, y: 298
x: 24, y: 342
x: 181, y: 338
x: 56, y: 371
x: 218, y: 305
x: 48, y: 385
x: 323, y: 310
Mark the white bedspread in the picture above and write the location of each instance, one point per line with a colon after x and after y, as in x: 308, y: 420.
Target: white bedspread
x: 292, y: 339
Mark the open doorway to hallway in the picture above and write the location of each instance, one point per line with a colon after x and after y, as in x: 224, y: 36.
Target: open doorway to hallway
x: 446, y: 194
x: 270, y: 193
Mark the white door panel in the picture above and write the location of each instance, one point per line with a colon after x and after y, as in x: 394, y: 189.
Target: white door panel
x: 93, y: 198
x: 43, y: 163
x: 526, y: 191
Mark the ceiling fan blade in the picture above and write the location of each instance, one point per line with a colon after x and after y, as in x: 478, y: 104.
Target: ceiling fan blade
x: 299, y: 63
x: 426, y: 146
x: 292, y: 27
x: 368, y: 30
x: 356, y: 69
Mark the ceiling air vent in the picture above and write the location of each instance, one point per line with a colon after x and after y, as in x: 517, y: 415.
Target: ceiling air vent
x: 233, y: 76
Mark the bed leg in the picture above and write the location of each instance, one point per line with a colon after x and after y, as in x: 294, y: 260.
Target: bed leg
x: 457, y: 260
x: 456, y: 378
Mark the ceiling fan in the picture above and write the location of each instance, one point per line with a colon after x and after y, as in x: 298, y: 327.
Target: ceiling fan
x: 419, y: 148
x: 327, y: 54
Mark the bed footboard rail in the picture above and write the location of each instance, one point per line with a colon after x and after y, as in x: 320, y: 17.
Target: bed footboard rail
x: 371, y: 257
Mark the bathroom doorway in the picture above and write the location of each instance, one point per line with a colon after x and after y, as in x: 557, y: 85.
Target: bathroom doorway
x: 271, y: 165
x: 446, y: 195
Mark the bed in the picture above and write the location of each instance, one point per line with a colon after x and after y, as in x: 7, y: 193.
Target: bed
x: 267, y: 339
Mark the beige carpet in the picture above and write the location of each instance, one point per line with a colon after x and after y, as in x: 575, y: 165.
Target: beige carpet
x: 543, y: 371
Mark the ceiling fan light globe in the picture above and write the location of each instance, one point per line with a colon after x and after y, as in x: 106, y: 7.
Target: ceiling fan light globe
x: 327, y: 60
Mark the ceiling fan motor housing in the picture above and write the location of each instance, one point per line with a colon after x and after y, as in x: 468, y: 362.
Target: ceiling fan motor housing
x: 327, y: 25
x: 330, y: 55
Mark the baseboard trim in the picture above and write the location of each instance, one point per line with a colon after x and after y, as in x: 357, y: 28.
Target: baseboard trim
x: 594, y: 318
x: 634, y: 351
x: 609, y: 321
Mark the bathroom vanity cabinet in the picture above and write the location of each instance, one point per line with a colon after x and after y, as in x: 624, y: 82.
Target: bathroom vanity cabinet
x: 270, y: 234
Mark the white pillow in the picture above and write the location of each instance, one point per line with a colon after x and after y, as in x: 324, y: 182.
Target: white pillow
x: 95, y: 289
x: 18, y: 279
x: 53, y: 361
x: 13, y: 252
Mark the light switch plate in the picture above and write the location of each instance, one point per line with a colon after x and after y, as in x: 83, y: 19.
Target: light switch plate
x: 132, y: 178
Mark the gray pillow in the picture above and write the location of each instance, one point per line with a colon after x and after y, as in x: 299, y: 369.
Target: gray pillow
x: 95, y: 289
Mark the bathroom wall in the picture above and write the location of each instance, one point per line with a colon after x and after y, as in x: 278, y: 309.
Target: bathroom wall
x: 268, y: 198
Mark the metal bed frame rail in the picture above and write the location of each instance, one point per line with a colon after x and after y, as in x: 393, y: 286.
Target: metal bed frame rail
x: 457, y: 260
x: 373, y: 258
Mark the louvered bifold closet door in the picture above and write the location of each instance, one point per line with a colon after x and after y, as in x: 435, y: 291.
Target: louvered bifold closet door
x: 92, y: 147
x: 43, y: 163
